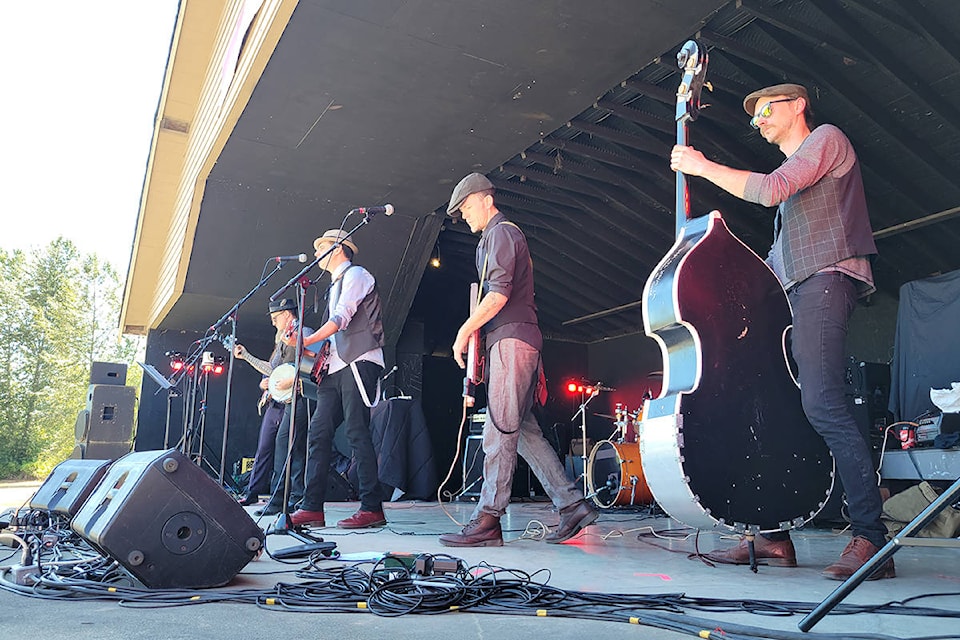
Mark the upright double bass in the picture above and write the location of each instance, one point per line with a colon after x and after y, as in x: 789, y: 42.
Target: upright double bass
x: 726, y: 444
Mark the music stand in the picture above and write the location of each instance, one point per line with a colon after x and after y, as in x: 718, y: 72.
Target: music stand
x: 172, y: 393
x: 155, y: 375
x: 905, y: 538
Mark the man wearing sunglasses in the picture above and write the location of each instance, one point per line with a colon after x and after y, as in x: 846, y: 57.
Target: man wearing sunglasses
x: 821, y: 253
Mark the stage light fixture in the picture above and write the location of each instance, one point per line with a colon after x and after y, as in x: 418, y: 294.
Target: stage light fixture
x: 176, y: 360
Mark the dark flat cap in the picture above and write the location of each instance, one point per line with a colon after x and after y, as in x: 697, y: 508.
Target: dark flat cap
x: 284, y: 304
x: 471, y: 184
x: 788, y: 90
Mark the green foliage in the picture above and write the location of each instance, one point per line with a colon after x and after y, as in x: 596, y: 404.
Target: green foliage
x: 58, y: 313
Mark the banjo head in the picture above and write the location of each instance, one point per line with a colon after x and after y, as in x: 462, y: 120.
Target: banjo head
x: 282, y: 373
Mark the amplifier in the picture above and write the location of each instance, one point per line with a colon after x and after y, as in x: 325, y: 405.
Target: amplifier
x: 477, y: 422
x: 929, y: 428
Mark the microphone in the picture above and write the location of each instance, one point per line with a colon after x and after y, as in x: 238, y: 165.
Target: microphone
x: 300, y: 257
x: 386, y: 209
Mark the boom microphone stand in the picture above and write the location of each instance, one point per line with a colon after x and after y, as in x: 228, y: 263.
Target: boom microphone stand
x: 283, y: 525
x: 229, y: 342
x: 582, y: 410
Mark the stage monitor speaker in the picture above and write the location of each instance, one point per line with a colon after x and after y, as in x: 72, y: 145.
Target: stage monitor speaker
x: 168, y: 523
x: 110, y: 411
x: 69, y: 485
x: 108, y: 373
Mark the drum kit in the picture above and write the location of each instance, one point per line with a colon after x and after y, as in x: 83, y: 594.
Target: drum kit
x: 614, y: 473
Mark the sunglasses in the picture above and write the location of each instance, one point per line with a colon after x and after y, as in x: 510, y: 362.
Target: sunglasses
x: 766, y: 111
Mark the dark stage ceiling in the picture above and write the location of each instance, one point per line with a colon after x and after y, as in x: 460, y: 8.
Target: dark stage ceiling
x: 568, y: 108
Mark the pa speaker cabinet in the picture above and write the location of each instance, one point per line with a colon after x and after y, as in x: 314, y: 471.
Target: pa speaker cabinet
x: 69, y: 485
x: 108, y: 373
x: 168, y: 523
x: 110, y: 411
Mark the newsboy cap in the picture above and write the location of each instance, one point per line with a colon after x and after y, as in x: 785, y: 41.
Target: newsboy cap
x: 789, y: 90
x: 470, y: 184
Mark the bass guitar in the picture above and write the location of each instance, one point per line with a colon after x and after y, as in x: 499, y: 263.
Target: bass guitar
x: 726, y: 445
x: 475, y: 358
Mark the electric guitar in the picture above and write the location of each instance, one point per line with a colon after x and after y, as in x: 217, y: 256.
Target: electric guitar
x: 475, y: 358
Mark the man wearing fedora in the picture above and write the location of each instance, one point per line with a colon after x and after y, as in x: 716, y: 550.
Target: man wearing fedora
x: 507, y: 316
x: 821, y: 253
x: 274, y: 441
x: 352, y: 323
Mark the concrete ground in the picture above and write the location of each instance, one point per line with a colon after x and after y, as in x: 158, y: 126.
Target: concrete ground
x: 620, y: 554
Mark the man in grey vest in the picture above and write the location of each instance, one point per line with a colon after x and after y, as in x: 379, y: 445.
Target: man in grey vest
x: 352, y: 324
x: 821, y: 249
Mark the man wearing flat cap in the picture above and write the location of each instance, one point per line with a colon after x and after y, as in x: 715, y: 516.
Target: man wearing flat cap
x: 821, y: 253
x: 274, y: 441
x: 353, y: 326
x: 507, y: 316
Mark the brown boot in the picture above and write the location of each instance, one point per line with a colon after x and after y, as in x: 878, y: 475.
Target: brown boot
x: 573, y: 519
x: 854, y: 556
x: 483, y: 531
x: 775, y: 553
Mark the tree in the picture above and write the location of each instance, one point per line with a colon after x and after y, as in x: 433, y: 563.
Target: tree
x: 58, y: 313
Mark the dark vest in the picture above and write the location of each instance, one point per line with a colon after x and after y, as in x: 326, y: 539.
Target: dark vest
x: 365, y: 331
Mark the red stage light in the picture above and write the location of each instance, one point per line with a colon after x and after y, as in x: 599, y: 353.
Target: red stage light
x: 588, y: 391
x: 176, y: 365
x: 217, y: 369
x: 572, y: 387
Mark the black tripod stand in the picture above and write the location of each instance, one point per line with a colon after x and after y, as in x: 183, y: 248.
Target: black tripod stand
x: 906, y: 538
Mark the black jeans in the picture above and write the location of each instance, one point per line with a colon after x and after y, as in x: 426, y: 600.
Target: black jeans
x: 822, y: 305
x: 259, y: 481
x: 339, y: 400
x: 298, y: 455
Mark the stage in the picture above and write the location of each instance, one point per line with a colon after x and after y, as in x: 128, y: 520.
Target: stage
x: 626, y: 552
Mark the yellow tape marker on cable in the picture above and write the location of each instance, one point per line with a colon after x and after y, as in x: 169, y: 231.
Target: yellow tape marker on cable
x: 454, y: 607
x: 195, y: 598
x: 705, y: 634
x: 361, y: 605
x: 271, y: 601
x: 112, y: 589
x: 634, y: 620
x: 541, y: 613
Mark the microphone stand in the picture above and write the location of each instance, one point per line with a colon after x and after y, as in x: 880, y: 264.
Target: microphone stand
x: 283, y: 525
x: 231, y: 316
x: 583, y: 433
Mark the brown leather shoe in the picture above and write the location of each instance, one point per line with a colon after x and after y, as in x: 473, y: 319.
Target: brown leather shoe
x: 363, y: 519
x: 302, y: 517
x: 775, y: 553
x: 854, y: 556
x: 483, y: 531
x: 573, y: 519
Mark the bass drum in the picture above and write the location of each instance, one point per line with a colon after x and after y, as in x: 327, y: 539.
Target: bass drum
x: 615, y: 475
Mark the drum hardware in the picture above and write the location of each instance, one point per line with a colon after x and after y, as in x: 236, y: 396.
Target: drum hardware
x: 615, y: 475
x: 587, y: 393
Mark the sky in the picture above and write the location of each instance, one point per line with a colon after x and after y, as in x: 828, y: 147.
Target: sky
x: 81, y: 84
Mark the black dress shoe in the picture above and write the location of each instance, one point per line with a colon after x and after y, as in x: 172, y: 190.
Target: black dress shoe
x: 269, y: 510
x: 249, y: 500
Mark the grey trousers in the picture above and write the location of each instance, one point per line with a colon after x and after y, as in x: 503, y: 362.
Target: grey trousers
x: 511, y: 428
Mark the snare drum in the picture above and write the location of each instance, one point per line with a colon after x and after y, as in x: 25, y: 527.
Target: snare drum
x: 615, y: 476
